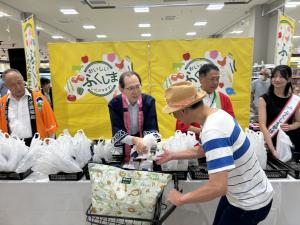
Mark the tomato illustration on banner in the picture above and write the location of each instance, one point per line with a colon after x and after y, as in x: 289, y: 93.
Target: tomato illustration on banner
x: 99, y: 78
x: 189, y: 70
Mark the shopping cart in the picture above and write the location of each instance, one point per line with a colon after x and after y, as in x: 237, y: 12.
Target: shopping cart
x: 157, y: 219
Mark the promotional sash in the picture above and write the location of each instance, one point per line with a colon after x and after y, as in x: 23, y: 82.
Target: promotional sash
x: 288, y: 110
x: 126, y: 118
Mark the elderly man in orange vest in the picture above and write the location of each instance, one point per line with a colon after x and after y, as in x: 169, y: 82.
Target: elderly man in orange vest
x: 24, y: 112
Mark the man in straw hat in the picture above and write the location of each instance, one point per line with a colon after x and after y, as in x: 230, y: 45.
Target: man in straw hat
x: 234, y: 172
x: 209, y: 76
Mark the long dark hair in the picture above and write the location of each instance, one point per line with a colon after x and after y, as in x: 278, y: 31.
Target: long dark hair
x: 286, y: 73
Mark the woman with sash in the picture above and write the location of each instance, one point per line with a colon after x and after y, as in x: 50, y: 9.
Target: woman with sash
x: 279, y: 107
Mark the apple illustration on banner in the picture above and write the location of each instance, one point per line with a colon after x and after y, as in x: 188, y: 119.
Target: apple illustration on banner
x: 186, y: 56
x: 84, y: 59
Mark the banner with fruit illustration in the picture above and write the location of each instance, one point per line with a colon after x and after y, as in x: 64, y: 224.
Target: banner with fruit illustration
x: 173, y: 61
x: 85, y: 77
x: 31, y: 48
x: 285, y: 32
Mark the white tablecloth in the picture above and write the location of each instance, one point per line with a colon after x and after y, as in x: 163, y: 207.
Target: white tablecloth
x: 38, y: 201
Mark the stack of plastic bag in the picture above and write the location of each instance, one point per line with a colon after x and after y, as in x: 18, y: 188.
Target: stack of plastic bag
x: 12, y: 151
x: 55, y: 158
x: 179, y: 142
x: 66, y: 154
x: 258, y: 144
x: 36, y: 147
x: 79, y: 146
x: 103, y: 150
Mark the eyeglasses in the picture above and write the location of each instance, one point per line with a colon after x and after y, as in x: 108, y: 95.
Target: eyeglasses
x: 133, y: 88
x: 214, y: 79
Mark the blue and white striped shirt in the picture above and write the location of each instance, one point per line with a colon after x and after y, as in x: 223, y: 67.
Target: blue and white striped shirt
x: 227, y: 147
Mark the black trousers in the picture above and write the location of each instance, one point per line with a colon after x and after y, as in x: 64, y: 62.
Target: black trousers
x: 230, y: 215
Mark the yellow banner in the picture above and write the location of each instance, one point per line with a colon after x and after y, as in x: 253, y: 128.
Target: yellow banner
x: 85, y: 77
x: 285, y: 32
x: 31, y: 48
x: 180, y: 60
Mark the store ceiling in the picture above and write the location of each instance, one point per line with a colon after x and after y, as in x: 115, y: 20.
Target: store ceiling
x: 121, y: 23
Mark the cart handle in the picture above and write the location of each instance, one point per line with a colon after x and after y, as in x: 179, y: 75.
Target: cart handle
x: 172, y: 207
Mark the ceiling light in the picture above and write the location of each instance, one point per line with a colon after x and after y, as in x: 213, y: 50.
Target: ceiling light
x: 200, y: 23
x: 191, y: 33
x: 237, y: 32
x: 146, y: 35
x: 101, y: 36
x: 69, y: 11
x: 2, y: 14
x: 57, y: 37
x: 143, y: 25
x: 141, y: 9
x: 89, y: 27
x: 39, y: 28
x: 295, y: 36
x: 292, y: 4
x: 217, y: 6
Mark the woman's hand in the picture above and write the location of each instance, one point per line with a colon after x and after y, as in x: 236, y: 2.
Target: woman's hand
x: 274, y: 153
x: 286, y: 127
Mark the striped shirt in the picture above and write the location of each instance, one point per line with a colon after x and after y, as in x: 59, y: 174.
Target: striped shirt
x: 227, y: 147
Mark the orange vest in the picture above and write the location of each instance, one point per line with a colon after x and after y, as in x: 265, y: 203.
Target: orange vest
x: 45, y: 119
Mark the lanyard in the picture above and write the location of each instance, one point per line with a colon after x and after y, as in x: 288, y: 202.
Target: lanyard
x: 214, y: 98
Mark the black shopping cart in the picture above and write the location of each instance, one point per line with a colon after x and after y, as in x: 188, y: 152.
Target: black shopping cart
x: 157, y: 219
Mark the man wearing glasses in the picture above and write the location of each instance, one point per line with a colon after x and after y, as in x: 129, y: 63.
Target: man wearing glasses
x: 132, y: 114
x: 209, y: 76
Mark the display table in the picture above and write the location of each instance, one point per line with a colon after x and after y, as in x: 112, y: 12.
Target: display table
x: 38, y: 201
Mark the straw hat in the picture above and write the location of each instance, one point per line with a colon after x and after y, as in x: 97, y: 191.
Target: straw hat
x: 181, y: 95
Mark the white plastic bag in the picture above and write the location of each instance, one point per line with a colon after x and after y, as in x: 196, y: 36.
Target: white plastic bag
x: 258, y: 144
x: 283, y: 146
x: 33, y: 154
x: 149, y: 140
x: 176, y: 143
x: 191, y: 141
x: 18, y: 150
x: 103, y: 150
x: 81, y: 145
x: 55, y: 159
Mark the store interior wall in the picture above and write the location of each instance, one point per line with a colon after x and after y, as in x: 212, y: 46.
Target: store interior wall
x: 261, y: 40
x: 271, y: 38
